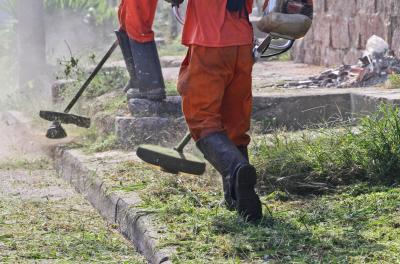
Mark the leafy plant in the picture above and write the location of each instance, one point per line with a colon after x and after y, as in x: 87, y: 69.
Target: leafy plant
x: 101, y: 11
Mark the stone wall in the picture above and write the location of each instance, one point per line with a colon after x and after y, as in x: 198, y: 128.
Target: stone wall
x: 342, y: 27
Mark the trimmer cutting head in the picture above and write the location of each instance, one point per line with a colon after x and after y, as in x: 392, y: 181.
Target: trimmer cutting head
x: 171, y: 160
x: 56, y: 131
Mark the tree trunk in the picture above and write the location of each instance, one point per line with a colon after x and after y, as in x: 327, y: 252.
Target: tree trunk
x: 31, y: 46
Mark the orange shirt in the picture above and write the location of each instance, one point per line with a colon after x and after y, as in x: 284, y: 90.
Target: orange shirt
x: 209, y: 24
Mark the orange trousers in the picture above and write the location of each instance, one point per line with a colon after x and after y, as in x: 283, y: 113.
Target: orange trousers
x: 215, y: 86
x: 136, y: 17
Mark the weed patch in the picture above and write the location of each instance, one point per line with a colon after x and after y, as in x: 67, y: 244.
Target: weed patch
x: 394, y: 81
x: 90, y: 141
x: 317, y: 162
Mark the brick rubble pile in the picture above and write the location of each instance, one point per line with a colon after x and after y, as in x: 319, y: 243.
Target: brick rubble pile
x: 377, y: 63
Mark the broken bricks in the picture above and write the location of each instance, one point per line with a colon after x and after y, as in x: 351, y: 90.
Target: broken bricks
x: 372, y: 69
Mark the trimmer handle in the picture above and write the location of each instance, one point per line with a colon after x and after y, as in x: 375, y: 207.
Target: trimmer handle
x: 175, y: 9
x: 260, y: 49
x: 183, y: 143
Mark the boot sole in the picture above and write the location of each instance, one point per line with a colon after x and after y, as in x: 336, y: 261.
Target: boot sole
x: 248, y: 202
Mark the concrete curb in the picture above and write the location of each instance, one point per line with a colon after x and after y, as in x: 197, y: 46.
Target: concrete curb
x: 134, y: 224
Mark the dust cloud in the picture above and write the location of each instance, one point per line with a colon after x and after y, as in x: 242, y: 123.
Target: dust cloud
x: 29, y: 64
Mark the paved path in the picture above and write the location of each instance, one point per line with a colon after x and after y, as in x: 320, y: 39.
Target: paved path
x: 42, y: 219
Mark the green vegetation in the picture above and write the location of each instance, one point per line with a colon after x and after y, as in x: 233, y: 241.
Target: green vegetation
x: 106, y: 81
x: 394, y: 81
x: 354, y: 220
x: 327, y: 158
x: 172, y: 48
x: 170, y: 87
x: 116, y: 103
x: 90, y: 141
x: 358, y: 224
x: 100, y: 11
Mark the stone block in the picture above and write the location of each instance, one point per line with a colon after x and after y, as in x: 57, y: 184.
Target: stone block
x: 351, y: 57
x: 367, y: 7
x: 298, y: 112
x: 355, y: 33
x: 133, y: 131
x: 171, y: 107
x: 343, y: 8
x: 319, y: 7
x: 340, y: 33
x: 340, y: 25
x: 396, y: 41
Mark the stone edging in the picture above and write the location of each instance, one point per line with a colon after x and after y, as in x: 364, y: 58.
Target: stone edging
x: 133, y: 224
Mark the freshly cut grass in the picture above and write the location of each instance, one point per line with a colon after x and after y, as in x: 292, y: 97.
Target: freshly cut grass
x: 43, y: 221
x: 358, y: 224
x: 63, y: 231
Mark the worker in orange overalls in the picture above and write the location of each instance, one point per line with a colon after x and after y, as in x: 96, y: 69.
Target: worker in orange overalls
x: 215, y: 86
x: 139, y: 50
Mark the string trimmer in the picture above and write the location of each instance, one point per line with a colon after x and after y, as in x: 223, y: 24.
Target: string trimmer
x: 56, y: 131
x: 175, y: 160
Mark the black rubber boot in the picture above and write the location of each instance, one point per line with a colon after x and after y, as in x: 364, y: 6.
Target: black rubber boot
x: 236, y: 171
x: 125, y: 46
x: 244, y: 151
x: 148, y: 69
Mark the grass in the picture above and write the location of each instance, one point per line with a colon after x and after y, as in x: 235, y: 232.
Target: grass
x: 393, y: 81
x: 328, y: 158
x: 90, y: 141
x: 16, y: 164
x: 357, y: 224
x: 65, y: 230
x: 170, y: 88
x: 107, y: 81
x: 172, y: 48
x: 115, y: 103
x: 354, y: 219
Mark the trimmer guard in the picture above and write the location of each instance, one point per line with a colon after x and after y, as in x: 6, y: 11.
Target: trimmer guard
x: 64, y: 118
x: 171, y: 160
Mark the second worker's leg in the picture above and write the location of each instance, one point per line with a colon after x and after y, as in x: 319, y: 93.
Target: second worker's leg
x: 125, y: 46
x: 139, y: 17
x: 148, y: 69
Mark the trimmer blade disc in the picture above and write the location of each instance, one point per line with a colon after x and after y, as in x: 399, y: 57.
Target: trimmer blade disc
x: 64, y: 118
x: 171, y: 160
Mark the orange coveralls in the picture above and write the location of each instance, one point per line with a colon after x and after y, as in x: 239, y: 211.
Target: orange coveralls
x: 215, y: 77
x: 136, y: 17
